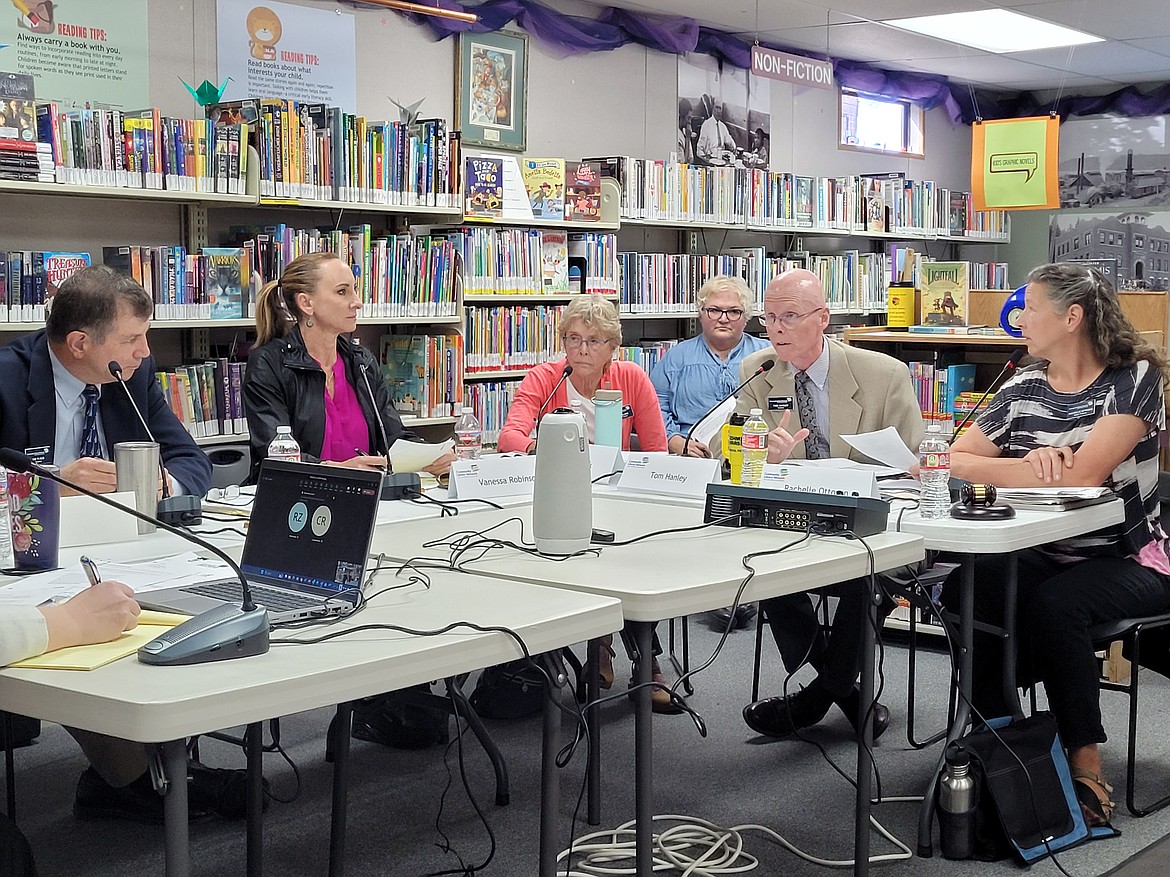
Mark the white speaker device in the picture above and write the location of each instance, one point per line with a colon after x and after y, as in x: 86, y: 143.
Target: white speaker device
x: 562, y: 500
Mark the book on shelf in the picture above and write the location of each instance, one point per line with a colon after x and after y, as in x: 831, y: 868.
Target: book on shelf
x: 29, y: 279
x: 939, y: 329
x: 957, y: 215
x: 938, y: 386
x: 943, y: 288
x: 226, y: 273
x: 59, y: 266
x: 484, y: 187
x: 582, y: 191
x: 544, y: 180
x: 205, y: 397
x: 424, y: 372
x: 554, y: 256
x: 803, y: 201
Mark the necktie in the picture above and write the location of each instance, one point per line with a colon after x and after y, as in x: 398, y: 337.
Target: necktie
x: 816, y: 446
x: 91, y: 445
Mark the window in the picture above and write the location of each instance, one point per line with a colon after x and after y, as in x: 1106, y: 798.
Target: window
x: 872, y: 123
x: 1101, y: 237
x: 1088, y: 238
x: 1139, y: 241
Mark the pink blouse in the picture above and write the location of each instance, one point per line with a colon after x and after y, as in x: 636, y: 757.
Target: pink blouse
x: 346, y: 432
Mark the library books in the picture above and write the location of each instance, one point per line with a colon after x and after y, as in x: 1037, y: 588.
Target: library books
x: 599, y: 252
x: 424, y: 372
x: 490, y: 401
x: 29, y: 279
x: 937, y: 329
x: 226, y: 272
x: 943, y: 289
x: 554, y: 258
x: 647, y: 354
x: 484, y: 187
x: 512, y: 337
x: 317, y: 152
x: 544, y: 180
x: 672, y: 192
x: 206, y: 397
x: 937, y: 387
x: 583, y: 191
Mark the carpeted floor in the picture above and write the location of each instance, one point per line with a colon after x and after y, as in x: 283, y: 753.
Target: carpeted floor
x: 409, y: 813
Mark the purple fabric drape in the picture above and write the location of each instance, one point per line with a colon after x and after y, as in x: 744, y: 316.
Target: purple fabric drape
x: 571, y: 34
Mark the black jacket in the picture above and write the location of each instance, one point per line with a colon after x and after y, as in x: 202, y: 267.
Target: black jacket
x: 28, y: 412
x: 284, y: 386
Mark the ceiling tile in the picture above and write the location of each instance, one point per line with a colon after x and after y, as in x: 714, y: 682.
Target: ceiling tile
x: 876, y: 42
x: 1098, y: 59
x: 991, y: 69
x: 1116, y: 21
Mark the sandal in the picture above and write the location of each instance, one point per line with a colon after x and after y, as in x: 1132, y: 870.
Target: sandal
x: 1093, y: 794
x: 605, y: 655
x: 661, y: 701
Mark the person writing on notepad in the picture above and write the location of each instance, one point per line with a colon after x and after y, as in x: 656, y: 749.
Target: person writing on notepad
x: 1088, y: 414
x: 308, y: 374
x: 96, y: 615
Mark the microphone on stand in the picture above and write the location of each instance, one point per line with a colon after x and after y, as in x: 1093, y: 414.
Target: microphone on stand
x: 178, y: 510
x: 766, y: 365
x: 568, y: 370
x: 1009, y: 366
x: 395, y: 485
x: 218, y: 634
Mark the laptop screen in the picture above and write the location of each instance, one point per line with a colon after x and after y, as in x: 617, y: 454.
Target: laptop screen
x: 311, y: 525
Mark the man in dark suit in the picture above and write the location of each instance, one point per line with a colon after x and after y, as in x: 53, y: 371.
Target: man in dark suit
x: 56, y: 403
x: 57, y: 406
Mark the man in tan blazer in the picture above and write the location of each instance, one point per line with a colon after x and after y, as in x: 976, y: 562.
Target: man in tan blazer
x: 817, y: 383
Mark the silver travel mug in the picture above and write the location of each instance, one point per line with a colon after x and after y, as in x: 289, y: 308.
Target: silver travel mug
x: 137, y: 464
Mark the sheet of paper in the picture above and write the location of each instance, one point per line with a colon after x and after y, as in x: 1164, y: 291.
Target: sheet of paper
x: 712, y: 427
x: 885, y: 446
x: 408, y: 456
x: 877, y: 469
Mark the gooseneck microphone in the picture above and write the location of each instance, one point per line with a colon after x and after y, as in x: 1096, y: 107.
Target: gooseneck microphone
x: 395, y: 485
x: 565, y: 372
x: 218, y: 634
x: 766, y: 365
x: 171, y: 509
x: 1009, y: 366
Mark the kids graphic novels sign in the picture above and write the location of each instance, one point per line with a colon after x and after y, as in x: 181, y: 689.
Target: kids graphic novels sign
x: 279, y: 50
x: 79, y: 51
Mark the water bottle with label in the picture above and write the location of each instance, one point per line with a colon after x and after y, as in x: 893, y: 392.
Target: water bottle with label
x: 934, y: 472
x: 754, y: 443
x: 283, y: 446
x: 468, y: 435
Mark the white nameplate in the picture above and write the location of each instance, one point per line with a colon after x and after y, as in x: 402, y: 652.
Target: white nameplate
x: 80, y: 513
x: 493, y: 475
x: 668, y: 473
x: 604, y: 460
x: 816, y: 479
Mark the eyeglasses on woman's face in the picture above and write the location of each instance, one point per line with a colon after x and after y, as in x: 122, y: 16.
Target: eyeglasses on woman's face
x: 573, y: 341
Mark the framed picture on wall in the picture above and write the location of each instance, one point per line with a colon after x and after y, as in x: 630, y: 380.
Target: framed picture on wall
x: 491, y: 90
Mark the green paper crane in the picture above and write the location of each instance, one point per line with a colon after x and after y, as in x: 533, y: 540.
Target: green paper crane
x: 207, y: 93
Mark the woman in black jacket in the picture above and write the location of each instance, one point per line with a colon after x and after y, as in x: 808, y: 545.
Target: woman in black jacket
x: 308, y: 374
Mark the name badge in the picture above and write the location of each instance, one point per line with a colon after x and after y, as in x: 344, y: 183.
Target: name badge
x: 780, y: 403
x: 492, y: 475
x: 627, y: 411
x: 668, y: 473
x: 40, y: 455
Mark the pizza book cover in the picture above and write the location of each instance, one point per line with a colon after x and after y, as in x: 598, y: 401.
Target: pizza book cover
x: 484, y: 186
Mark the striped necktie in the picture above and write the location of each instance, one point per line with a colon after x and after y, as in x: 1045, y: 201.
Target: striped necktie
x: 91, y: 445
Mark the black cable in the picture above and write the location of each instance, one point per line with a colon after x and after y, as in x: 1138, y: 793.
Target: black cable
x: 672, y: 530
x: 606, y: 475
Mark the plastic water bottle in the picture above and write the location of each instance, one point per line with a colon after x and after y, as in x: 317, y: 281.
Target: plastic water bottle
x: 754, y: 442
x: 283, y: 446
x: 468, y: 436
x: 956, y: 807
x: 934, y: 471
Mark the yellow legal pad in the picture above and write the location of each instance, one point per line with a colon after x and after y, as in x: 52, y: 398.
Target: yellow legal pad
x: 150, y: 625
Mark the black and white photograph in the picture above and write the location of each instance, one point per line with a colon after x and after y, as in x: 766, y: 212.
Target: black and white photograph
x: 724, y: 115
x: 1132, y: 249
x: 1114, y: 161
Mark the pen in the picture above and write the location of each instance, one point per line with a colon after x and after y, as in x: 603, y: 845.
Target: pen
x: 362, y: 453
x: 91, y: 571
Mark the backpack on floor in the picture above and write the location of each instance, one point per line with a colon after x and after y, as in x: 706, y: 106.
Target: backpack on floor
x: 1026, y: 814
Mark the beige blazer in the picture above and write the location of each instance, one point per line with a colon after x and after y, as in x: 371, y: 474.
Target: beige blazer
x: 868, y: 391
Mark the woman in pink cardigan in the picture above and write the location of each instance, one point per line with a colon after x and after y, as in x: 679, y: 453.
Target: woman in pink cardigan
x: 590, y: 333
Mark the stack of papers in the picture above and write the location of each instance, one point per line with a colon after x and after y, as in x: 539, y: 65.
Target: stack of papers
x: 1053, y: 498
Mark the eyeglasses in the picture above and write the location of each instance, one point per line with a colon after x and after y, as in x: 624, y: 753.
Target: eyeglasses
x: 229, y: 495
x: 733, y: 315
x: 789, y: 318
x: 594, y: 344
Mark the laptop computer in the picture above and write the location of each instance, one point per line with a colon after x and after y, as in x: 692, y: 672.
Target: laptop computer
x: 307, y: 545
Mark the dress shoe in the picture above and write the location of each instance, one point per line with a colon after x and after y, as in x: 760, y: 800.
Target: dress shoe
x: 660, y: 699
x: 781, y: 716
x: 852, y: 704
x: 743, y: 616
x: 136, y: 802
x: 396, y: 721
x: 219, y: 791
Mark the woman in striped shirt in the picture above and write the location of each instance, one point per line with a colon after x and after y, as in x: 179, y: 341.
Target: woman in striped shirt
x: 1089, y: 413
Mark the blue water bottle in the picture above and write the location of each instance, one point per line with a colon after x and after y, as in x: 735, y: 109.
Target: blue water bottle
x: 607, y: 418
